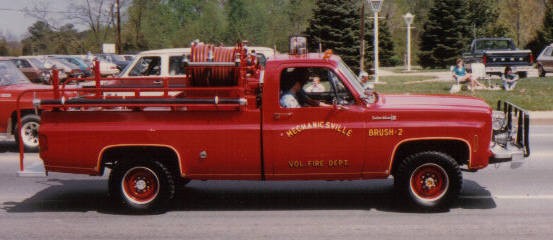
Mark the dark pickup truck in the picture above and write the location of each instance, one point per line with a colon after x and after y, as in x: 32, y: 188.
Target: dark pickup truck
x: 498, y: 53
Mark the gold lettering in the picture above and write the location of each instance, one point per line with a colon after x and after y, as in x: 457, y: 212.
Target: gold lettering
x: 289, y: 133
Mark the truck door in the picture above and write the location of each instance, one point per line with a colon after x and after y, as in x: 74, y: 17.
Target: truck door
x: 312, y: 126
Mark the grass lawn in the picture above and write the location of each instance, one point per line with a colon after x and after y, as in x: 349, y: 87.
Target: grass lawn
x: 533, y: 94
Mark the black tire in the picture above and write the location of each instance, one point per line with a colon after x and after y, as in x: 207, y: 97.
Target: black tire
x: 440, y: 180
x: 29, y: 132
x: 541, y: 71
x: 522, y: 74
x: 141, y: 186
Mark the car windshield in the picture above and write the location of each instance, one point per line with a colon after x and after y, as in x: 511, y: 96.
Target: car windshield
x: 493, y: 45
x: 76, y: 61
x: 118, y: 58
x: 10, y: 75
x: 352, y: 78
x: 36, y: 62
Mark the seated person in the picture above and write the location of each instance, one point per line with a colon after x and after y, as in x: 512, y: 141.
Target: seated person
x: 365, y: 80
x: 293, y: 95
x: 461, y: 75
x: 316, y: 86
x: 289, y: 98
x: 509, y: 79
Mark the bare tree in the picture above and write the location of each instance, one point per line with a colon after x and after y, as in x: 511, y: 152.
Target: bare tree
x: 96, y: 14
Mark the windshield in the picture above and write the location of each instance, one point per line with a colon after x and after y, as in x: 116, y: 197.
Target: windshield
x: 494, y: 45
x: 118, y: 58
x: 10, y: 75
x: 353, y: 79
x: 36, y: 62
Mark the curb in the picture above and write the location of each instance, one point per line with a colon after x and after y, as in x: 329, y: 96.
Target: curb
x: 541, y: 117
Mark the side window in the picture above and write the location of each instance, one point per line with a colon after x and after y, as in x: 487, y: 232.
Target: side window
x: 24, y: 63
x: 312, y: 87
x: 548, y: 51
x: 176, y: 67
x: 147, y: 66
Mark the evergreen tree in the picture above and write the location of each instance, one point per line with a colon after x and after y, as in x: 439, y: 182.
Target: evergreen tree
x: 386, y: 54
x: 445, y: 34
x: 335, y: 25
x: 544, y: 36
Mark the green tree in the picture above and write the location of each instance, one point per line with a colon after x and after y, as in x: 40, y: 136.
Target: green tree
x: 445, y: 34
x: 39, y: 39
x: 482, y: 16
x: 4, y: 51
x: 544, y: 36
x: 237, y: 17
x: 386, y: 52
x: 335, y: 26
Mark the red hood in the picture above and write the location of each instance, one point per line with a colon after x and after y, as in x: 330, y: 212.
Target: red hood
x: 433, y: 102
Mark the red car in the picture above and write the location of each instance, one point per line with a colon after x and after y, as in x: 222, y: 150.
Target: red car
x: 12, y: 84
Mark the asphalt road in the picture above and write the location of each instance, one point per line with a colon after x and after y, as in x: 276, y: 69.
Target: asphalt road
x: 496, y: 203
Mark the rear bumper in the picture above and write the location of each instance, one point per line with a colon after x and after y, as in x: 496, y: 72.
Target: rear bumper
x: 511, y: 133
x: 501, y: 69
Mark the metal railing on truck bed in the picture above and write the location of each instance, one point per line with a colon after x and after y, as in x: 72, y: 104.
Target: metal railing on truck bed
x: 511, y: 130
x: 231, y: 84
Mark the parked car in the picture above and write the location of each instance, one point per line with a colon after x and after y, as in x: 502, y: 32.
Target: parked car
x: 120, y: 61
x: 161, y: 62
x: 545, y: 61
x: 106, y: 68
x: 13, y: 83
x: 262, y: 53
x: 33, y: 70
x: 498, y: 53
x: 70, y: 69
x: 41, y: 62
x: 84, y: 66
x: 129, y: 57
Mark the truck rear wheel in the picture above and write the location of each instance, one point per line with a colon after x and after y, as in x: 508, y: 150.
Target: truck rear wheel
x: 428, y: 180
x: 141, y: 185
x: 29, y: 132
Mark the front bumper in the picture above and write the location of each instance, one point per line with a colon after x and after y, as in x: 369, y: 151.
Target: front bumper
x: 511, y: 133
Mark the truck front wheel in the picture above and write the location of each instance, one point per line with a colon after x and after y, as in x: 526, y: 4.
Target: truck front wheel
x: 141, y: 185
x: 428, y: 180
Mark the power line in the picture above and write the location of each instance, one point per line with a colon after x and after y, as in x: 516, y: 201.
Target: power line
x: 35, y: 10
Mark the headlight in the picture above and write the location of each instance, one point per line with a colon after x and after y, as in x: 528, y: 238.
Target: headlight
x: 498, y: 120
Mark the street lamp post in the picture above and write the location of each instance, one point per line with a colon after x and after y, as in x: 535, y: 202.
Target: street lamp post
x: 376, y: 6
x: 408, y: 20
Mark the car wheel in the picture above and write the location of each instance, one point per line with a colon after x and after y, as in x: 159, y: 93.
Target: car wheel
x: 428, y: 180
x: 522, y: 74
x: 141, y: 186
x: 28, y: 132
x: 541, y: 71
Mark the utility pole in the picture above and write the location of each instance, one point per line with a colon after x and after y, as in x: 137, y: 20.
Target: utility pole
x: 118, y: 19
x: 362, y: 37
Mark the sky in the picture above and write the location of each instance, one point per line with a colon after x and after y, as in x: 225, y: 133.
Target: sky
x: 14, y: 22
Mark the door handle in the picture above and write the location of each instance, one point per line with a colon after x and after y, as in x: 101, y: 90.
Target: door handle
x: 157, y: 82
x: 278, y: 116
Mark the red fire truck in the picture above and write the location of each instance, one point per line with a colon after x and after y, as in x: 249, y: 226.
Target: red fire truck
x: 304, y: 116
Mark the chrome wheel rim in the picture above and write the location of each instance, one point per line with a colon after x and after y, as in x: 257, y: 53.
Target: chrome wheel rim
x: 29, y: 134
